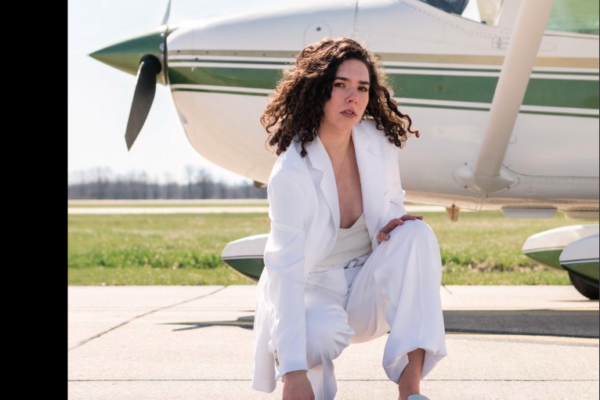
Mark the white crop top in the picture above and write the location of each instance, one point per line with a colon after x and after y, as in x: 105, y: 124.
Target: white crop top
x: 350, y: 243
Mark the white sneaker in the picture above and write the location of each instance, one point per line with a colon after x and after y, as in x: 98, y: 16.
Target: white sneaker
x: 417, y: 397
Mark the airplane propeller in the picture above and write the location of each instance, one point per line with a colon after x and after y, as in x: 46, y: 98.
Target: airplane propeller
x: 143, y: 56
x: 143, y: 97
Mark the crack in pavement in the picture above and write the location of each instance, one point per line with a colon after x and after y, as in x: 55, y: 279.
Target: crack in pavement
x: 140, y: 316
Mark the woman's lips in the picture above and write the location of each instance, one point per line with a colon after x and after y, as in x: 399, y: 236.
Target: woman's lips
x: 348, y: 115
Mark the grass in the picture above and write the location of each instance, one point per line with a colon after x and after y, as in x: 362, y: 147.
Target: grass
x: 483, y: 248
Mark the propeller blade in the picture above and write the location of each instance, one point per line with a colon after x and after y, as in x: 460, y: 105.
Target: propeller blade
x: 142, y: 98
x: 166, y: 17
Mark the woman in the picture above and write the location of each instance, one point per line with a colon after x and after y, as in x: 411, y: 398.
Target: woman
x: 343, y: 262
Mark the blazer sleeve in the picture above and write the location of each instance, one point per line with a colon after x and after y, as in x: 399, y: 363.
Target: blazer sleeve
x: 284, y: 260
x: 397, y: 194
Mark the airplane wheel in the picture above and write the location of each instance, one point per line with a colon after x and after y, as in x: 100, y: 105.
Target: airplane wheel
x: 589, y: 291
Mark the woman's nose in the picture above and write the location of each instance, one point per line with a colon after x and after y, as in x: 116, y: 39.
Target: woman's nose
x: 353, y: 96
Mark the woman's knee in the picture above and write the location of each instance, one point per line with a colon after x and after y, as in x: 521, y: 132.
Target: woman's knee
x: 413, y: 228
x: 326, y: 337
x: 422, y: 238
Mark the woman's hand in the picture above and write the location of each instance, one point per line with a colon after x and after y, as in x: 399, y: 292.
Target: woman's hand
x: 296, y: 386
x: 384, y: 236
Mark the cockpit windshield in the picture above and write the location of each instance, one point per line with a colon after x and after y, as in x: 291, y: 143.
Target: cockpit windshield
x: 483, y: 11
x: 577, y: 16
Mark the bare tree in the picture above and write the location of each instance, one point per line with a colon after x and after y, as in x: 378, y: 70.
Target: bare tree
x: 100, y: 183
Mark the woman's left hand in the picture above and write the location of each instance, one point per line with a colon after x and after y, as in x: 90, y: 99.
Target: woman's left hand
x: 384, y: 236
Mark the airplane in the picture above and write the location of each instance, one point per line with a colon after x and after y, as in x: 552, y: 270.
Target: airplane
x: 505, y: 94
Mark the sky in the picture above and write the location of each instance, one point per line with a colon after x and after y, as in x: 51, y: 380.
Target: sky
x: 99, y: 96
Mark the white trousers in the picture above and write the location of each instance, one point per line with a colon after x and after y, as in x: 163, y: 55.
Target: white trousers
x: 395, y: 288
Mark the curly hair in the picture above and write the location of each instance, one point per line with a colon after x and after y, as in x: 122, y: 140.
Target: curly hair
x: 297, y: 104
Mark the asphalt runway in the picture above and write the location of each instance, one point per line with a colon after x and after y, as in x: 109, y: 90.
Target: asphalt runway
x: 195, y: 342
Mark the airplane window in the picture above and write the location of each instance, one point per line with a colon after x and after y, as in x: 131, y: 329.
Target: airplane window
x: 482, y: 11
x: 577, y: 16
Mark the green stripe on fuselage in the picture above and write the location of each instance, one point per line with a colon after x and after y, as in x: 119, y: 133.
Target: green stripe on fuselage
x: 563, y: 93
x: 388, y: 68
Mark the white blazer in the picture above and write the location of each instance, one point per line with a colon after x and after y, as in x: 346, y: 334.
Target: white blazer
x: 305, y: 221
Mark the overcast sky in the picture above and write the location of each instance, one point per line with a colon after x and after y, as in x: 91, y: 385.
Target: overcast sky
x: 100, y: 96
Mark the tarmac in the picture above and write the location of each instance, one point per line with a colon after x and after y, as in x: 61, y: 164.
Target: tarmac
x: 195, y: 342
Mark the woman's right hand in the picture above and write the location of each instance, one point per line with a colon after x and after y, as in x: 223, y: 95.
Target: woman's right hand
x: 384, y: 233
x: 296, y: 386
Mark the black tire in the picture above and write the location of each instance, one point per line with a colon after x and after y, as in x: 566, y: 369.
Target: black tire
x: 587, y: 289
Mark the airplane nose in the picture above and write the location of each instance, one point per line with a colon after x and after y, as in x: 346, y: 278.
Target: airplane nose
x: 127, y: 54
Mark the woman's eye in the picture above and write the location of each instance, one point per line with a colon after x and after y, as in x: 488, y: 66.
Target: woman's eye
x: 341, y: 84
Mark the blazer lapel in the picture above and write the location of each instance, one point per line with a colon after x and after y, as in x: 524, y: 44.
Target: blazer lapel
x: 373, y: 176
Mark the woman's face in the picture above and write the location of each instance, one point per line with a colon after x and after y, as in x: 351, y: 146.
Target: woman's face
x: 350, y: 92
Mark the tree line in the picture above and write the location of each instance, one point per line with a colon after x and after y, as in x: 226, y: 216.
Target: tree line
x: 102, y: 183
